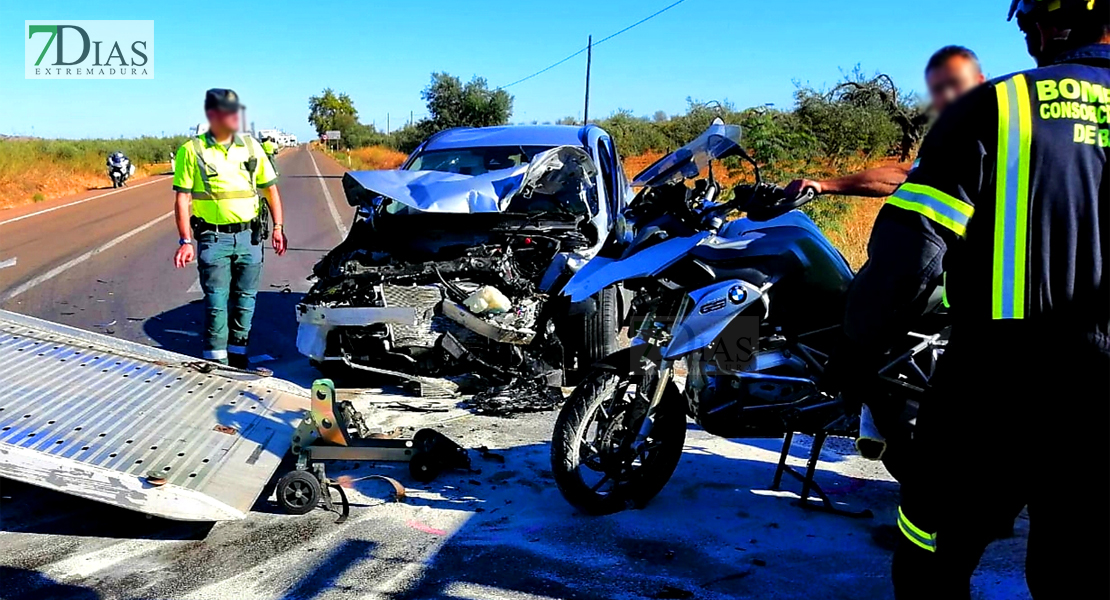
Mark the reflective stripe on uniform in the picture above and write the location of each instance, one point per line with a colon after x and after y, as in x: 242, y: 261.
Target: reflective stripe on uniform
x: 925, y: 541
x: 219, y: 202
x: 944, y: 210
x: 1011, y: 215
x: 215, y: 354
x: 234, y: 195
x: 202, y: 166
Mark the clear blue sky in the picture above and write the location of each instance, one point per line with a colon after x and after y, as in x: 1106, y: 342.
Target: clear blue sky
x: 277, y: 53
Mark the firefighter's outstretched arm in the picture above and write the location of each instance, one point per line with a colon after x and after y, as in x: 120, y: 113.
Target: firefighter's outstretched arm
x: 921, y: 227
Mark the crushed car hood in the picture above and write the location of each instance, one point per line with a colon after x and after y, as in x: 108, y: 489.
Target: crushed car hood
x: 555, y: 171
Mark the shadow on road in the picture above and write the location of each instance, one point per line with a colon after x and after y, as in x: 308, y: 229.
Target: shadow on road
x: 273, y: 332
x: 26, y: 583
x: 33, y: 510
x: 714, y: 531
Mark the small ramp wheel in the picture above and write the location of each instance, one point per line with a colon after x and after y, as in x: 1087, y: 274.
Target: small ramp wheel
x: 298, y: 492
x: 423, y: 469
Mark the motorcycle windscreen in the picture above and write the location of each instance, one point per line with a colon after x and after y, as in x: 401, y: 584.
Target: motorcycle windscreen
x: 652, y: 261
x: 688, y: 162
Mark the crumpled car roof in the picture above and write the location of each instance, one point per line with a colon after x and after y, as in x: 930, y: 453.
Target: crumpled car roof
x: 441, y: 192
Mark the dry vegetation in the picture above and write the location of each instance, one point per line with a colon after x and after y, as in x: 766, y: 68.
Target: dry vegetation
x: 34, y: 170
x: 46, y: 182
x: 369, y: 158
x: 847, y: 221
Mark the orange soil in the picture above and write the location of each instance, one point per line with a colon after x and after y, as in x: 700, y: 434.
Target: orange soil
x: 854, y: 228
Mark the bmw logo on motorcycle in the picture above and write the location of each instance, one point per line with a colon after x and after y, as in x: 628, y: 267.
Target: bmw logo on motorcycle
x: 737, y: 294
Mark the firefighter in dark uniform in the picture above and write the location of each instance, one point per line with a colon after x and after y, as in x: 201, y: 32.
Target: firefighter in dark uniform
x: 1012, y: 199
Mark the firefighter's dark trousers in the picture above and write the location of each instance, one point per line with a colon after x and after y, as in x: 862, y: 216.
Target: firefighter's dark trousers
x: 1010, y: 424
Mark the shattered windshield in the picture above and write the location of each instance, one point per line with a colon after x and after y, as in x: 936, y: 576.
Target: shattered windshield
x: 719, y: 141
x: 474, y: 161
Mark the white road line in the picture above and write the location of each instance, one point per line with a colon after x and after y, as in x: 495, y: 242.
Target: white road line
x: 83, y: 565
x: 155, y: 179
x: 327, y: 195
x: 62, y: 268
x: 4, y: 264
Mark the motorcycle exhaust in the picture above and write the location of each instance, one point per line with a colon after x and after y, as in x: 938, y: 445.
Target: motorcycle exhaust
x: 871, y: 444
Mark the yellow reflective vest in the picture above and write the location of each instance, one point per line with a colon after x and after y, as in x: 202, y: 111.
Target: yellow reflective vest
x: 224, y: 182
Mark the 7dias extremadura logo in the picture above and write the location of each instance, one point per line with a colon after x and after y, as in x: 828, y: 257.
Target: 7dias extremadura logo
x: 90, y: 50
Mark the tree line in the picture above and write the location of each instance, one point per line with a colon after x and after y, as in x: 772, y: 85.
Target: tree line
x: 864, y: 115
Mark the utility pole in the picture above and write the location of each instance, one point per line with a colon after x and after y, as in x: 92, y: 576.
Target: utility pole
x: 589, y: 64
x: 387, y: 123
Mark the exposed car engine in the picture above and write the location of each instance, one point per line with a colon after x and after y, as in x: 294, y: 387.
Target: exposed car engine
x: 444, y: 294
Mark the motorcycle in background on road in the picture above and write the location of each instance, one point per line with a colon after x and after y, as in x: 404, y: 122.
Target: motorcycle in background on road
x: 120, y: 169
x: 746, y: 311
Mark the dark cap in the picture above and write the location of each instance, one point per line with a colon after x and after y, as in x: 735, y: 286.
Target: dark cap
x: 221, y: 99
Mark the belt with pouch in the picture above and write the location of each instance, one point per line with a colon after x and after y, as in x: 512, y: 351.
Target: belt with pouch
x: 201, y: 226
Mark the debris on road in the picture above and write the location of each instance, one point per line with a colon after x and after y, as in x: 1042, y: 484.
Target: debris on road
x: 485, y: 453
x: 518, y: 398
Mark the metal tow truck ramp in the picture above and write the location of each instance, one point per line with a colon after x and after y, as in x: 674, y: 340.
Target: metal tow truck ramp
x: 137, y: 427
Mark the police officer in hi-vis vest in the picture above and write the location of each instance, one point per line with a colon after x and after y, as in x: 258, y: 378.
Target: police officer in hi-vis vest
x: 220, y: 175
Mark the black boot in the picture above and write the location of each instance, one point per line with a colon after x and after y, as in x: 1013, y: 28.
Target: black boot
x: 239, y: 361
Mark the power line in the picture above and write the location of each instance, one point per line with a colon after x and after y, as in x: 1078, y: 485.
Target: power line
x: 599, y: 42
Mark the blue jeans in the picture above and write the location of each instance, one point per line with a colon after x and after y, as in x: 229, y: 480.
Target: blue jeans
x: 230, y: 267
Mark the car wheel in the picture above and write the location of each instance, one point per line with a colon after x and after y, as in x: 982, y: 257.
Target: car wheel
x: 601, y: 329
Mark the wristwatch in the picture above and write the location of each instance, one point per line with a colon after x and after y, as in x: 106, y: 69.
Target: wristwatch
x: 184, y: 242
x: 278, y: 226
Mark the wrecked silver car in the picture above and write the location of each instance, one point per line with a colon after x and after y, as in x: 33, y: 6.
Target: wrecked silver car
x: 454, y: 264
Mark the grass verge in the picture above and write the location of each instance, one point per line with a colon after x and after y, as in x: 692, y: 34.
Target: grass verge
x: 35, y: 170
x: 371, y: 158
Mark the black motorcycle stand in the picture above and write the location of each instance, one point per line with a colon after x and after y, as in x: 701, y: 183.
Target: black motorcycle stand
x: 808, y: 484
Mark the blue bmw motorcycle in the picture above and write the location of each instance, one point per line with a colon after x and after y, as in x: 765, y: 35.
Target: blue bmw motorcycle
x: 733, y: 325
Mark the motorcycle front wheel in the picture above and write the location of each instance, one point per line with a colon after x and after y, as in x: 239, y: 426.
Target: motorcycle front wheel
x: 592, y: 458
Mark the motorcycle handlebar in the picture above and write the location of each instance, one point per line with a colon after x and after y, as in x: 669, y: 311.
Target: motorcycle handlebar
x: 769, y: 202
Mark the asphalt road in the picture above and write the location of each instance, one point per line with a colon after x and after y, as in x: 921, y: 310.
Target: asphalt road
x: 102, y: 261
x: 500, y: 532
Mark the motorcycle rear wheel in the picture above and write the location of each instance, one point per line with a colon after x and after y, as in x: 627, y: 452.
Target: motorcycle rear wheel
x: 592, y: 471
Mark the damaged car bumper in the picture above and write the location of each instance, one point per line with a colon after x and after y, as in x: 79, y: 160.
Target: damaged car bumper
x: 315, y: 322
